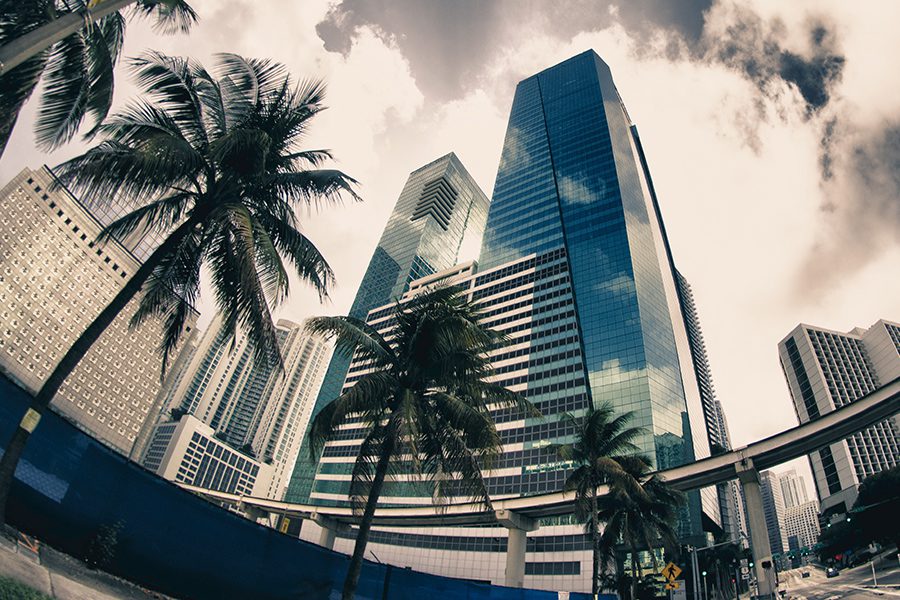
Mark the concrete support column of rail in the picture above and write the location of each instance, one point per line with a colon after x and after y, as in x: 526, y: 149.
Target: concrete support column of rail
x: 253, y: 513
x: 518, y: 527
x: 329, y: 529
x: 759, y: 532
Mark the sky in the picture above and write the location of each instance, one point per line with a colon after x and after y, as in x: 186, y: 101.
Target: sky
x: 772, y: 131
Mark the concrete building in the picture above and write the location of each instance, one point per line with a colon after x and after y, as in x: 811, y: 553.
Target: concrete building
x: 54, y: 281
x: 187, y: 451
x: 793, y: 489
x: 252, y: 408
x: 729, y: 494
x: 773, y: 504
x: 801, y: 525
x: 438, y: 218
x: 574, y: 217
x: 827, y: 369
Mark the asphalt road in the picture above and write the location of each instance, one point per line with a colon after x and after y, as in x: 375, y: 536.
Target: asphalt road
x: 850, y: 584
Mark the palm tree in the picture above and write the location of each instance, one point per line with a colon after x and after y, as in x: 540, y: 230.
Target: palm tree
x: 603, y: 443
x: 215, y: 161
x: 641, y: 518
x: 425, y: 403
x: 76, y: 61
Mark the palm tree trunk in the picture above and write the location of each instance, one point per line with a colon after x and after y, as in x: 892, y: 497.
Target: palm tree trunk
x: 595, y: 538
x: 73, y: 356
x: 362, y: 537
x: 635, y: 557
x: 22, y: 48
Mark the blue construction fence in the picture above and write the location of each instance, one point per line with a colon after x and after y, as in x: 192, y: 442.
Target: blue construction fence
x: 71, y: 491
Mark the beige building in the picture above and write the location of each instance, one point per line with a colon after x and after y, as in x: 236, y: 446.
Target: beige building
x: 801, y: 525
x: 826, y: 370
x: 54, y: 280
x: 258, y: 412
x: 188, y: 451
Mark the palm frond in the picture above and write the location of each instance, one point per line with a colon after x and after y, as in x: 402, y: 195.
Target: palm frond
x: 168, y: 16
x: 254, y: 78
x: 315, y: 186
x: 65, y: 96
x: 169, y: 82
x: 309, y: 264
x: 162, y: 214
x: 240, y: 294
x: 368, y: 398
x: 103, y: 47
x: 353, y: 336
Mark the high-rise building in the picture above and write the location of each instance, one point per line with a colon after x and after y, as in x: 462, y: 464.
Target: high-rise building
x: 729, y: 494
x: 826, y: 370
x: 188, y: 451
x: 55, y: 278
x: 260, y: 413
x: 573, y: 176
x: 773, y: 504
x: 793, y: 489
x: 575, y: 269
x: 440, y: 214
x: 801, y: 525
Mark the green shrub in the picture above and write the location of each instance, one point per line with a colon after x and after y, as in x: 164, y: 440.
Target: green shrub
x: 11, y: 589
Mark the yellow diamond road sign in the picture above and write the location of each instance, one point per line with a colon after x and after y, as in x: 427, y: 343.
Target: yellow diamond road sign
x: 671, y: 571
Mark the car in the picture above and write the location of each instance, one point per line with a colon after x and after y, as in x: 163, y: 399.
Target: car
x: 804, y: 574
x: 831, y: 572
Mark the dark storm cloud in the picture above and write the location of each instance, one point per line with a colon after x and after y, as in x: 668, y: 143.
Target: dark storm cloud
x: 876, y: 162
x: 861, y: 200
x: 444, y: 42
x: 447, y: 42
x: 756, y: 49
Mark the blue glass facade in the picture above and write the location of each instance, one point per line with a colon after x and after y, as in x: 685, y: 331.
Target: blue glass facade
x: 440, y: 210
x: 572, y: 176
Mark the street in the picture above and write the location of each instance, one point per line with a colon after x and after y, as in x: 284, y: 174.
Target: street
x: 850, y: 584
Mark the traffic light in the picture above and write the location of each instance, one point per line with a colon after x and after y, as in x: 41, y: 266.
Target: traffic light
x: 751, y: 564
x: 704, y: 573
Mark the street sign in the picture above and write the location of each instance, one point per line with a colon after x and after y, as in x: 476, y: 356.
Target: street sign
x: 672, y: 585
x: 671, y: 572
x: 745, y: 576
x: 681, y: 592
x: 745, y: 570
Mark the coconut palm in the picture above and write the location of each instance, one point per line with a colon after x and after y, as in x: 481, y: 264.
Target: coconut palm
x: 75, y: 62
x: 642, y: 518
x: 425, y: 404
x: 216, y: 162
x: 603, y: 444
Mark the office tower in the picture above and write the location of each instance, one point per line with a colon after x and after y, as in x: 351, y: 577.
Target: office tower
x: 826, y: 370
x: 251, y: 408
x: 801, y: 525
x: 187, y: 451
x: 280, y: 422
x: 793, y: 489
x: 576, y: 270
x: 54, y: 281
x: 773, y: 504
x: 573, y: 178
x: 729, y: 493
x: 440, y: 211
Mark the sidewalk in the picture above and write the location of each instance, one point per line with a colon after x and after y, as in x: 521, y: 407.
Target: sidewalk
x: 61, y: 576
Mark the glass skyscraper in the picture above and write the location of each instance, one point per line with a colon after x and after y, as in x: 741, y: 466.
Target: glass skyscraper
x: 440, y: 211
x: 575, y: 270
x: 573, y: 176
